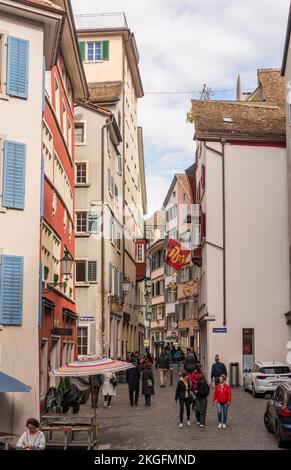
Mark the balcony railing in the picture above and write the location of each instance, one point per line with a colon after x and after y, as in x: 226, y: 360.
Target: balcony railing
x: 100, y: 21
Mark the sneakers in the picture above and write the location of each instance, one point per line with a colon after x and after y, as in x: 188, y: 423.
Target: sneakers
x: 224, y: 425
x: 188, y: 422
x: 220, y: 425
x: 108, y: 406
x: 180, y: 425
x: 198, y: 422
x: 202, y: 425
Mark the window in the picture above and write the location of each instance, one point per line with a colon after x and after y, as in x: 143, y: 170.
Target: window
x: 57, y: 99
x: 82, y: 340
x: 118, y: 239
x: 79, y: 133
x: 140, y: 253
x: 119, y: 164
x: 86, y: 271
x: 17, y: 67
x: 14, y: 175
x: 81, y: 221
x: 116, y: 195
x: 65, y: 126
x: 11, y: 290
x: 88, y: 222
x: 92, y: 271
x: 81, y: 173
x: 70, y: 138
x: 97, y: 51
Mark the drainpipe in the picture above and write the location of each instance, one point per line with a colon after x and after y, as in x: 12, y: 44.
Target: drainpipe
x: 222, y: 155
x: 104, y: 127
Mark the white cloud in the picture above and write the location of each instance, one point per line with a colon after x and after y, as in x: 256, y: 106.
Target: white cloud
x: 184, y: 44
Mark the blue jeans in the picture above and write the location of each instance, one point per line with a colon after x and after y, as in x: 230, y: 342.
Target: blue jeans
x: 222, y: 409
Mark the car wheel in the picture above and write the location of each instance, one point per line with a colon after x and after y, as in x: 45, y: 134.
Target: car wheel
x: 268, y: 424
x: 280, y: 441
x: 255, y: 394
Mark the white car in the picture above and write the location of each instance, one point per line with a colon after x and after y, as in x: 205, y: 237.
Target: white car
x: 264, y: 377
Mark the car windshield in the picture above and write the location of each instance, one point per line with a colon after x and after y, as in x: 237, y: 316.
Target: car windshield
x: 275, y: 370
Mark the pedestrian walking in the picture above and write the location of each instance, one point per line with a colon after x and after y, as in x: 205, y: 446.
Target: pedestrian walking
x: 173, y: 352
x: 148, y: 383
x: 109, y: 388
x: 201, y: 393
x: 33, y: 438
x: 222, y: 398
x: 190, y: 361
x: 183, y: 395
x: 218, y: 368
x: 95, y: 383
x: 179, y: 358
x: 163, y: 364
x: 133, y: 379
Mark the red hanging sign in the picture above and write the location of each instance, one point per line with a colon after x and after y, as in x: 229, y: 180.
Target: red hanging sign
x: 176, y: 255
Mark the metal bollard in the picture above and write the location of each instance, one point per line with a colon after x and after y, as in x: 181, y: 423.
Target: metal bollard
x: 171, y: 373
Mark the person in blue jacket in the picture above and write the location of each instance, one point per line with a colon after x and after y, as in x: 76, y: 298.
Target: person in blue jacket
x: 218, y: 369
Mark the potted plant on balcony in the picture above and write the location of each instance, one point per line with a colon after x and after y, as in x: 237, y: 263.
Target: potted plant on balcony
x: 46, y: 273
x: 56, y: 278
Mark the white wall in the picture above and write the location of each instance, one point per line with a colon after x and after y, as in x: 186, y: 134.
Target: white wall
x: 257, y: 263
x: 20, y: 121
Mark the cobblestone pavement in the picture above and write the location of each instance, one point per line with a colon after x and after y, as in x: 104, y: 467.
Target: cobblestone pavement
x: 123, y: 427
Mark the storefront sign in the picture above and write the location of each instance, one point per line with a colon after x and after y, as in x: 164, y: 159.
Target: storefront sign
x: 146, y: 343
x: 219, y: 330
x: 176, y: 255
x: 62, y: 332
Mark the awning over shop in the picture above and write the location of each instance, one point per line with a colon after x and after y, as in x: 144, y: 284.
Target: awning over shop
x: 90, y: 365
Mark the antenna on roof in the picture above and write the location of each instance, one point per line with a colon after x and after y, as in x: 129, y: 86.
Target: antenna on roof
x: 206, y: 93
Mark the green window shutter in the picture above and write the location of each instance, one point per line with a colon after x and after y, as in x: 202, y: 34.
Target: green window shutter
x: 105, y: 50
x: 82, y: 50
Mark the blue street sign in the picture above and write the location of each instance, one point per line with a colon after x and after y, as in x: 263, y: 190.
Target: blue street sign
x: 86, y: 318
x: 219, y: 330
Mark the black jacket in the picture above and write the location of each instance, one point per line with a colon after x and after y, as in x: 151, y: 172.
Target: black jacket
x: 146, y: 388
x: 202, y: 390
x: 163, y: 362
x: 133, y: 378
x: 218, y: 369
x: 181, y: 390
x: 190, y: 362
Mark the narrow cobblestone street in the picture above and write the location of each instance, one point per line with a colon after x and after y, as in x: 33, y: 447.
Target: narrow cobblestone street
x: 123, y: 427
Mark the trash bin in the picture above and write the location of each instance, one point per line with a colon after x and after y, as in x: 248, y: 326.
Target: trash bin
x: 234, y: 374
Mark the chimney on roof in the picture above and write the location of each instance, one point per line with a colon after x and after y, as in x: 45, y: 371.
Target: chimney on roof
x: 238, y: 89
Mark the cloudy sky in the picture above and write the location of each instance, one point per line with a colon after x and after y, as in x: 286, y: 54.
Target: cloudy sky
x: 184, y: 44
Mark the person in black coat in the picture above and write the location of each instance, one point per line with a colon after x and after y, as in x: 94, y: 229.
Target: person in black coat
x: 148, y: 383
x: 183, y: 395
x: 201, y: 392
x: 163, y: 364
x: 133, y: 379
x: 190, y: 361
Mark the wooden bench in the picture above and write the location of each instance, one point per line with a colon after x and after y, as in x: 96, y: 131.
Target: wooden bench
x: 69, y: 436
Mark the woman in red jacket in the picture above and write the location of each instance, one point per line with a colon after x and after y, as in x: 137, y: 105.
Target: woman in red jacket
x: 222, y: 398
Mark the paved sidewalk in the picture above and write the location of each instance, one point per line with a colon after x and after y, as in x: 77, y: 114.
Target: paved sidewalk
x: 123, y: 427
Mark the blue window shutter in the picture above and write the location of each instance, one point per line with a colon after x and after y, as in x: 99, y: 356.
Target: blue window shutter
x: 11, y: 289
x: 17, y: 67
x: 42, y: 188
x: 43, y: 85
x: 14, y: 175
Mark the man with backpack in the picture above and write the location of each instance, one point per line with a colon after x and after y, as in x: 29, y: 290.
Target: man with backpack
x: 201, y: 392
x: 218, y: 369
x: 179, y: 358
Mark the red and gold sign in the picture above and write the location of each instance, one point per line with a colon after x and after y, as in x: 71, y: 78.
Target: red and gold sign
x: 176, y: 255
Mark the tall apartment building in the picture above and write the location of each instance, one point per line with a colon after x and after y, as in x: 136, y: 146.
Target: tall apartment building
x: 242, y: 190
x: 29, y: 33
x: 66, y: 81
x: 110, y: 59
x: 180, y: 287
x: 155, y: 232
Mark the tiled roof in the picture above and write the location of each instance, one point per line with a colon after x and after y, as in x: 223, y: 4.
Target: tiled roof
x: 105, y: 92
x: 248, y: 119
x: 43, y: 3
x: 263, y: 115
